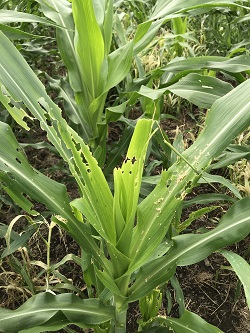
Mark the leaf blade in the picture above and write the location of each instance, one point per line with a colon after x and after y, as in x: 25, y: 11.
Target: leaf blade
x: 48, y: 308
x: 242, y: 269
x: 188, y: 249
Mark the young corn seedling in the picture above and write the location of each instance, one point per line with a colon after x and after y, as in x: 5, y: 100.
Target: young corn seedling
x: 125, y: 249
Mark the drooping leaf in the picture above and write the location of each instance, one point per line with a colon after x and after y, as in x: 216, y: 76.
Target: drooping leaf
x: 209, y: 179
x: 194, y: 216
x: 242, y: 269
x: 164, y: 8
x: 189, y: 323
x: 54, y: 312
x: 14, y: 33
x: 19, y: 240
x: 231, y: 155
x: 230, y: 116
x: 11, y: 16
x: 26, y: 179
x: 200, y: 90
x: 232, y: 65
x: 205, y: 199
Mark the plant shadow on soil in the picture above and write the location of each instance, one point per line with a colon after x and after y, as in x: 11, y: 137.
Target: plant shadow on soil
x: 209, y: 290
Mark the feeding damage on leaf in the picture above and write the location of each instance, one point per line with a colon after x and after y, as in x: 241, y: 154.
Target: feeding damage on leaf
x: 15, y: 108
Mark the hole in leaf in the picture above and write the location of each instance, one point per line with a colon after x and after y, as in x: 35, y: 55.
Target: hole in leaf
x: 133, y: 160
x: 178, y: 196
x: 168, y: 182
x: 78, y: 146
x: 48, y: 121
x: 42, y: 107
x: 11, y: 177
x: 189, y: 186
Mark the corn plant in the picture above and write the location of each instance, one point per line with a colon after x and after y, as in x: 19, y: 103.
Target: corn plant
x: 126, y: 250
x: 84, y: 35
x: 84, y: 38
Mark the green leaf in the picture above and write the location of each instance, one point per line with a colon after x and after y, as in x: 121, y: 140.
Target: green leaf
x: 11, y: 16
x: 14, y: 33
x: 205, y: 199
x: 189, y: 323
x: 156, y: 330
x: 200, y: 90
x: 191, y: 248
x: 207, y: 178
x: 96, y: 194
x: 119, y: 63
x: 108, y: 25
x: 194, y: 216
x: 17, y: 243
x: 61, y: 13
x: 89, y: 44
x: 145, y: 33
x: 19, y: 177
x: 26, y: 179
x: 54, y: 312
x: 153, y: 94
x: 17, y: 114
x: 119, y: 149
x: 188, y: 249
x: 4, y: 228
x: 232, y: 65
x: 231, y: 155
x: 144, y: 284
x: 127, y: 179
x: 242, y: 269
x: 23, y: 85
x: 68, y: 257
x: 155, y: 213
x: 230, y: 115
x: 141, y: 30
x: 164, y: 8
